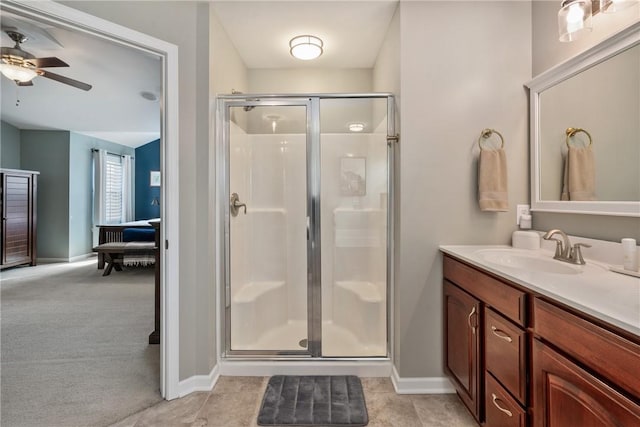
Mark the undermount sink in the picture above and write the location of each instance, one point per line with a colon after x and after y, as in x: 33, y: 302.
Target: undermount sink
x: 534, y: 261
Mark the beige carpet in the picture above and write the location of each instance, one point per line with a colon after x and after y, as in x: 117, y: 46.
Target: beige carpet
x: 74, y: 345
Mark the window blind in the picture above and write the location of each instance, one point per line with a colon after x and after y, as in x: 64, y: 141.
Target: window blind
x: 113, y: 192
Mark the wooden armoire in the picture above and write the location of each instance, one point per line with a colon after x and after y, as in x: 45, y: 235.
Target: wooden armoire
x: 19, y: 217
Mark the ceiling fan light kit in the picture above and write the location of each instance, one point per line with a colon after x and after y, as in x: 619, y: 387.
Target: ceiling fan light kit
x: 17, y: 73
x: 22, y: 67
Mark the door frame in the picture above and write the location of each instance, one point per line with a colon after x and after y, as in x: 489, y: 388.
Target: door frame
x: 312, y: 214
x: 75, y: 20
x: 314, y: 266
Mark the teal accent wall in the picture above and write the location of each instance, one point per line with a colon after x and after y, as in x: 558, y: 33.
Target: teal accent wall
x: 147, y: 160
x: 81, y: 189
x: 9, y: 146
x: 48, y: 153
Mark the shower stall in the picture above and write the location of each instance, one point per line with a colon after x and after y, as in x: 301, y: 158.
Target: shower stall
x: 305, y: 207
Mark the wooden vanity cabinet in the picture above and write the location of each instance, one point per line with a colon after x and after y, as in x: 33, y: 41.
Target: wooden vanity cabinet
x: 537, y: 362
x: 583, y: 374
x: 484, y: 337
x: 567, y: 395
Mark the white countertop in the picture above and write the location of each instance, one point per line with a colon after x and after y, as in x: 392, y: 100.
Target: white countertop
x: 611, y: 297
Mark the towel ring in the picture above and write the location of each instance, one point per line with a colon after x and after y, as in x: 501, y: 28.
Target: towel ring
x: 486, y: 133
x: 572, y: 131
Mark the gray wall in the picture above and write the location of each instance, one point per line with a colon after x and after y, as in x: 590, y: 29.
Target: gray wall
x: 549, y: 52
x: 81, y: 189
x: 226, y: 72
x: 185, y: 24
x: 460, y: 73
x: 9, y: 146
x: 48, y: 153
x: 386, y: 78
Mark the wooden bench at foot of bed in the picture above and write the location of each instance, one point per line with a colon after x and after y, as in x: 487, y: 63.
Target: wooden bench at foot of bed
x: 114, y: 253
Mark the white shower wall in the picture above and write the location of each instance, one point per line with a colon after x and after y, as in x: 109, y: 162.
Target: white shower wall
x: 269, y: 247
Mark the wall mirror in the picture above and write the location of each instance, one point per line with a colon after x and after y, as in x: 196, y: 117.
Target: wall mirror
x: 597, y: 95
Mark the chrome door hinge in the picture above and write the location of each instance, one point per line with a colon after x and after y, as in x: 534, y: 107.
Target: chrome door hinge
x: 391, y: 139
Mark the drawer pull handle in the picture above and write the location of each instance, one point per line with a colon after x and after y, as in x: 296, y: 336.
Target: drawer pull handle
x: 494, y: 399
x: 473, y: 311
x: 500, y: 334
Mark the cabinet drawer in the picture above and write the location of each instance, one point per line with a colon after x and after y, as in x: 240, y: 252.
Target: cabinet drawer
x: 501, y: 409
x: 507, y: 300
x: 505, y: 353
x: 615, y: 358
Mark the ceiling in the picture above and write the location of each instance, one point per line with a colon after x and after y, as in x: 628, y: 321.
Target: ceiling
x: 114, y: 110
x: 352, y: 31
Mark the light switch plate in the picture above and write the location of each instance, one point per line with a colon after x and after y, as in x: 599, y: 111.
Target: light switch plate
x: 522, y: 210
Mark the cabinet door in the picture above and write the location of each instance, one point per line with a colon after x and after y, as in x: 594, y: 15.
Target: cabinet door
x: 16, y: 218
x: 462, y: 345
x: 566, y: 395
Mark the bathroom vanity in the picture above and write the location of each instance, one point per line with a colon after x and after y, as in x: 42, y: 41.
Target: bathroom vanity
x: 541, y: 347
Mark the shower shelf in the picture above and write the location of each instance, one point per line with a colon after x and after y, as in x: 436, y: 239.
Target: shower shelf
x: 251, y: 291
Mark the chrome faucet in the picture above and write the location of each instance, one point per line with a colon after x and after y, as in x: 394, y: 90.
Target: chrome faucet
x: 564, y: 251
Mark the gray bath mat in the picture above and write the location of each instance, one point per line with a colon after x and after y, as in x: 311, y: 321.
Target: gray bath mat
x: 313, y: 401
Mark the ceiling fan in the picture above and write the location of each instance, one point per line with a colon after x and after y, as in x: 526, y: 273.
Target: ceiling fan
x: 22, y: 67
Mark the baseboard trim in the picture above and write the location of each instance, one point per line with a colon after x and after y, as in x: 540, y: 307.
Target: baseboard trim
x: 421, y: 385
x: 72, y: 259
x: 283, y: 367
x: 199, y: 382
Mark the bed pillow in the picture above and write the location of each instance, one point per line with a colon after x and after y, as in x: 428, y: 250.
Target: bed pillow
x: 139, y: 235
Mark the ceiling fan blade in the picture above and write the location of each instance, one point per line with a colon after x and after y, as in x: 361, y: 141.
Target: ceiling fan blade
x: 29, y: 83
x: 65, y: 80
x: 47, y: 62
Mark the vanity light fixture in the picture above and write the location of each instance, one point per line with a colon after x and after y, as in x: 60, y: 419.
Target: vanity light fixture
x: 305, y: 47
x: 574, y: 19
x: 356, y: 127
x: 612, y: 6
x: 17, y: 73
x: 574, y: 16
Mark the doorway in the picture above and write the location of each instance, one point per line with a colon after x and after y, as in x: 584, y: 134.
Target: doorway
x: 59, y: 15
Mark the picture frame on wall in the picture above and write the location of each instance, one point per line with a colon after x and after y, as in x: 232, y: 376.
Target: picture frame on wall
x: 353, y: 176
x: 154, y: 179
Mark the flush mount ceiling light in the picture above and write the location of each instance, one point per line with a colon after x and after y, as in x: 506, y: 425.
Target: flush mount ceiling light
x: 17, y: 73
x: 574, y: 19
x: 305, y: 47
x: 356, y: 127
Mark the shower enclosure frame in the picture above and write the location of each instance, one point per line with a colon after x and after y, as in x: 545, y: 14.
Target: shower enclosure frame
x: 314, y: 299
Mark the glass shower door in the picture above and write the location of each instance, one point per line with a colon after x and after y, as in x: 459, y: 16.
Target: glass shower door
x: 267, y: 274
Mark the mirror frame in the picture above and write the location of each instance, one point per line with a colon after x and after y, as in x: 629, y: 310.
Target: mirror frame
x: 604, y: 50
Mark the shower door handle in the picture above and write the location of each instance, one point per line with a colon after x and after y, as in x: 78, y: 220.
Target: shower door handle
x: 235, y: 205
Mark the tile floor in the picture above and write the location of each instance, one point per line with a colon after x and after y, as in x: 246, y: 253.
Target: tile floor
x: 235, y: 401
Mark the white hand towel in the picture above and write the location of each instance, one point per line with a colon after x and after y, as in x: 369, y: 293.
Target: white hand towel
x: 492, y: 181
x: 579, y: 181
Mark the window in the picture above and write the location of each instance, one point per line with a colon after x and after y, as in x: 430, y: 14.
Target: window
x: 113, y: 189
